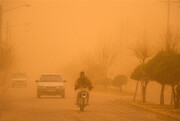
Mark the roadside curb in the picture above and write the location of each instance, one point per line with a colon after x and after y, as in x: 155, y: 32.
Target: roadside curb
x: 149, y: 109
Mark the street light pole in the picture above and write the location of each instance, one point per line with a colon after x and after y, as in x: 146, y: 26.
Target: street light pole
x: 1, y: 14
x: 25, y: 5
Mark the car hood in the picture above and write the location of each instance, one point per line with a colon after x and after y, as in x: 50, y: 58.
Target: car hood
x: 51, y: 84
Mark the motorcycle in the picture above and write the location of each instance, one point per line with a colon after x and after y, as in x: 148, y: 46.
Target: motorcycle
x: 83, y: 95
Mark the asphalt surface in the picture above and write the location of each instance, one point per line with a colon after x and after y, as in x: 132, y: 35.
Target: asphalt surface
x: 103, y: 107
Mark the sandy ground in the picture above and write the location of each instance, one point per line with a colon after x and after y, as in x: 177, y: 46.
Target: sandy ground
x: 103, y: 107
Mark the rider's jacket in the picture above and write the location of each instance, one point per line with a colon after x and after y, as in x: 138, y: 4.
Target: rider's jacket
x: 83, y: 82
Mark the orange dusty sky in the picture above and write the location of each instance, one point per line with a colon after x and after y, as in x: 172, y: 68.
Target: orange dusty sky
x: 52, y: 33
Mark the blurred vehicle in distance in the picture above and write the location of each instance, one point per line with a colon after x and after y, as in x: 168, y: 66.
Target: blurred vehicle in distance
x: 19, y: 80
x: 50, y: 84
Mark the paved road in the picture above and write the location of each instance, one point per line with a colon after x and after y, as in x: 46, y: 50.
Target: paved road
x: 103, y: 108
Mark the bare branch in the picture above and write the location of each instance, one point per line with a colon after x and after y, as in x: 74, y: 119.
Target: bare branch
x: 107, y: 50
x: 141, y: 50
x: 171, y: 40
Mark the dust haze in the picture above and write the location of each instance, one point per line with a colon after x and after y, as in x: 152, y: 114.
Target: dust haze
x: 99, y: 37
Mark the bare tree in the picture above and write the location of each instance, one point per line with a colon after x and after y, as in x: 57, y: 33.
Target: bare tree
x: 107, y: 50
x: 141, y: 50
x: 170, y: 41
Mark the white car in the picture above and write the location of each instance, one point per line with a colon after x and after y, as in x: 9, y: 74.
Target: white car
x: 50, y: 84
x: 19, y: 80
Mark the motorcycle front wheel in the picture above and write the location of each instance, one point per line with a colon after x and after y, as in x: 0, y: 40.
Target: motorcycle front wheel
x: 82, y: 104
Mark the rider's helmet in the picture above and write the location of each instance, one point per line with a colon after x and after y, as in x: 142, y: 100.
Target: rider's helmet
x: 82, y: 74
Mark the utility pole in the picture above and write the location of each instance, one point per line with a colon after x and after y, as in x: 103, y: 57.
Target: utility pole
x: 168, y: 16
x: 0, y: 38
x: 0, y: 22
x: 168, y: 26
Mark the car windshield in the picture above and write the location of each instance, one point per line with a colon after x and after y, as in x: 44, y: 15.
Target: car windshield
x: 50, y: 78
x: 18, y: 76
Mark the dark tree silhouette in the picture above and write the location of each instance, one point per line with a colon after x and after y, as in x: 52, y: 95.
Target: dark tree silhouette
x: 119, y: 81
x: 170, y: 43
x: 178, y: 94
x: 165, y: 68
x: 139, y: 74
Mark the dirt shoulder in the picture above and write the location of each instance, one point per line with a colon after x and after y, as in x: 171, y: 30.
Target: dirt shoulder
x: 167, y: 110
x: 126, y: 97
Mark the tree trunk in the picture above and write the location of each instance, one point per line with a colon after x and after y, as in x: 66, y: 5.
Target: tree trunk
x: 177, y: 102
x: 144, y: 94
x: 1, y: 90
x: 162, y: 95
x: 174, y: 95
x: 144, y: 91
x: 172, y: 98
x: 142, y: 85
x: 136, y: 90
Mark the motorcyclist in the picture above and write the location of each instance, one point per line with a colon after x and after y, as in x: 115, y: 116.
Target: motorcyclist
x: 82, y: 82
